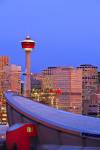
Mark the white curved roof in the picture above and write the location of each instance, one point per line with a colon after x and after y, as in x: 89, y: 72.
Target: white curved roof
x: 55, y: 118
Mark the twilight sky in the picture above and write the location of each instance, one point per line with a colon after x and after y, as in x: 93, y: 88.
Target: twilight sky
x: 67, y: 32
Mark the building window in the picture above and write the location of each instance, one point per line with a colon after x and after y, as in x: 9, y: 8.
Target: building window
x: 29, y: 129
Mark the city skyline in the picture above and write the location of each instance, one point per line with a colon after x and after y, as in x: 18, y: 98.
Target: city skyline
x: 66, y: 32
x: 49, y: 74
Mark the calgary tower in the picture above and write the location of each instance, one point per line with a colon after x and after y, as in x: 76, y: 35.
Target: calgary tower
x: 27, y: 45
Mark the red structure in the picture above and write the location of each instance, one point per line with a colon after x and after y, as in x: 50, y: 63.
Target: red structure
x: 57, y: 91
x: 27, y: 45
x: 21, y: 137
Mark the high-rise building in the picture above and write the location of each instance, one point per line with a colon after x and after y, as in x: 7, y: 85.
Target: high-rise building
x: 94, y: 107
x: 12, y: 78
x: 38, y: 91
x: 69, y: 81
x: 98, y: 77
x: 36, y: 82
x: 89, y: 84
x: 9, y: 80
x: 4, y: 61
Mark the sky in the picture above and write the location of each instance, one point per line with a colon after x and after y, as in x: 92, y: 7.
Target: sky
x: 67, y: 32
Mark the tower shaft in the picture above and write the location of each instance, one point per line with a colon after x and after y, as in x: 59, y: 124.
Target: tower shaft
x: 27, y: 79
x: 27, y: 45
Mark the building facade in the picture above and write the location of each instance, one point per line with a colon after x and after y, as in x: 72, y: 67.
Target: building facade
x: 4, y: 61
x: 12, y: 78
x: 69, y: 81
x: 36, y: 82
x: 89, y: 85
x: 77, y: 85
x: 94, y: 107
x: 98, y: 77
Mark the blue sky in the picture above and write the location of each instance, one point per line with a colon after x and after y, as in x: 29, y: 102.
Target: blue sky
x: 67, y: 32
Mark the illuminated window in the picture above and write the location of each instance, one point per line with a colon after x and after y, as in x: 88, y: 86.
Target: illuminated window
x: 29, y: 129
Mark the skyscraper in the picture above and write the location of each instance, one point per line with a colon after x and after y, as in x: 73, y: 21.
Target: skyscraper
x: 69, y: 81
x: 89, y: 84
x: 35, y: 82
x: 12, y: 78
x: 4, y: 61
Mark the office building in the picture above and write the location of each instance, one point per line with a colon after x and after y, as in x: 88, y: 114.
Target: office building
x: 89, y: 84
x: 4, y: 61
x: 12, y: 78
x: 69, y: 81
x: 94, y: 107
x: 36, y: 82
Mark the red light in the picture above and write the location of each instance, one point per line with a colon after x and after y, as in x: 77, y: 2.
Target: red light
x: 58, y: 91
